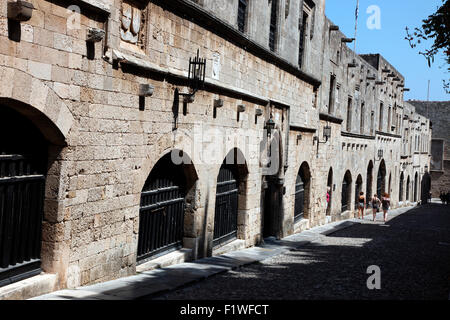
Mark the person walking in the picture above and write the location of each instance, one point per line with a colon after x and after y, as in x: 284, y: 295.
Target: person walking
x: 385, y: 203
x: 361, y: 205
x: 375, y: 205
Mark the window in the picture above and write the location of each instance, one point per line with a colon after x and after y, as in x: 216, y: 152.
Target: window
x: 303, y: 25
x: 380, y: 120
x: 361, y: 127
x: 349, y: 115
x: 242, y: 15
x: 372, y: 121
x: 331, y: 98
x: 389, y: 120
x: 273, y: 25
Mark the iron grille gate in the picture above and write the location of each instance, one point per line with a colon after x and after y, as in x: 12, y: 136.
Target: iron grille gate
x: 299, y: 197
x: 161, y: 215
x: 226, y: 212
x: 344, y: 197
x: 21, y: 212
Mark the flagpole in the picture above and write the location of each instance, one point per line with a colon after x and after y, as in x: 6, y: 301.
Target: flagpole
x: 356, y: 23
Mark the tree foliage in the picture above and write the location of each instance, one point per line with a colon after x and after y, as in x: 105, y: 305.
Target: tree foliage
x: 437, y: 28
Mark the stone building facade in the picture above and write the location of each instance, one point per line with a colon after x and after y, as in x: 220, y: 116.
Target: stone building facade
x: 140, y: 172
x: 438, y: 113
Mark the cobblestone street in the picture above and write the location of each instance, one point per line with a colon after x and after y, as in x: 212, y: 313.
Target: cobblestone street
x: 412, y: 251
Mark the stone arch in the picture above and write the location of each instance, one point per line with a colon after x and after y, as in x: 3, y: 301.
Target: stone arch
x: 31, y: 97
x: 369, y: 181
x: 381, y: 179
x: 330, y: 190
x: 302, y: 195
x: 346, y: 191
x: 234, y: 166
x: 416, y: 187
x: 182, y: 176
x: 425, y: 187
x: 358, y: 187
x: 408, y: 189
x: 401, y: 187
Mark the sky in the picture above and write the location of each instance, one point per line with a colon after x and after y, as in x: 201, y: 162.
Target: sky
x: 389, y: 40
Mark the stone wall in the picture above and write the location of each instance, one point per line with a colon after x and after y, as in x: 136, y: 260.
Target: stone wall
x: 437, y: 112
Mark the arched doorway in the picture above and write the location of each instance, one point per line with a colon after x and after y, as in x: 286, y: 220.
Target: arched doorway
x: 358, y: 188
x: 400, y: 195
x: 346, y: 192
x: 425, y: 187
x: 408, y: 186
x: 162, y: 208
x: 416, y: 176
x: 302, y: 186
x: 230, y: 186
x: 330, y: 186
x: 369, y: 181
x: 381, y: 179
x: 23, y: 168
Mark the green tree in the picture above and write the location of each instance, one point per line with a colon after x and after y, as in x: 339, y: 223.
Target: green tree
x: 436, y: 28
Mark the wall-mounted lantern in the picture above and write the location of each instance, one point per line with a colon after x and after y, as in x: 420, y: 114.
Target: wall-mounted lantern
x: 326, y: 135
x: 197, y: 69
x: 20, y: 10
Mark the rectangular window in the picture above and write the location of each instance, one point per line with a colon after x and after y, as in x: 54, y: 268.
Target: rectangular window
x: 273, y: 25
x: 380, y: 120
x: 361, y: 128
x: 372, y: 121
x: 349, y: 115
x: 389, y: 119
x: 331, y: 98
x: 242, y: 15
x: 303, y: 25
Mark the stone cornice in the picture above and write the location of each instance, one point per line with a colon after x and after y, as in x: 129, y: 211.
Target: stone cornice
x: 387, y: 134
x: 330, y: 118
x: 302, y: 129
x: 357, y: 135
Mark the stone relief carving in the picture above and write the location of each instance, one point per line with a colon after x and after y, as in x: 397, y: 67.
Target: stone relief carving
x: 132, y: 27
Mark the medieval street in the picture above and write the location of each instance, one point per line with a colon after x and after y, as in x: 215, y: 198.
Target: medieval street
x: 411, y: 249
